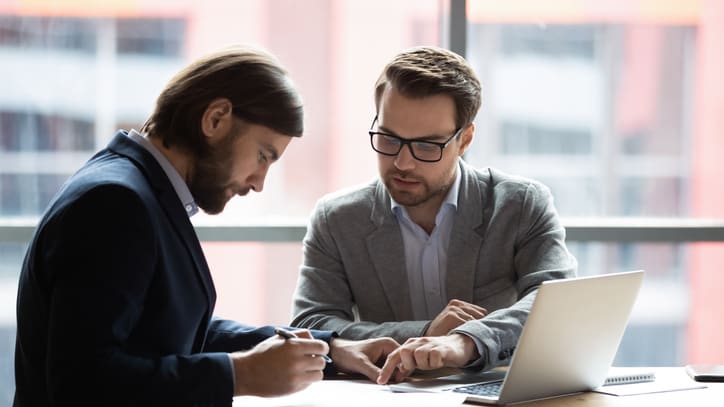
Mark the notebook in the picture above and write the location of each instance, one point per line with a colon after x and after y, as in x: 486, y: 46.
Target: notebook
x: 567, y: 345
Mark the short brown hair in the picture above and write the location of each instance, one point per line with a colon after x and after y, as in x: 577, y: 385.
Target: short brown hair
x: 426, y: 71
x: 252, y: 79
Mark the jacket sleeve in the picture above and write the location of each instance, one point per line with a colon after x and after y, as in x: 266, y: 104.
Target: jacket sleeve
x: 539, y: 254
x: 100, y: 255
x: 230, y: 336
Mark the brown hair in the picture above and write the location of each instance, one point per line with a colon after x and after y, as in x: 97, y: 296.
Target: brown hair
x: 253, y: 80
x: 426, y: 71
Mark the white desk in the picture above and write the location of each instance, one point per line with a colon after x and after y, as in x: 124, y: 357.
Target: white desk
x: 712, y: 395
x: 352, y: 393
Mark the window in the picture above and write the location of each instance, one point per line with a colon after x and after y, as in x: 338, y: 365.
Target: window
x: 607, y: 110
x: 28, y: 194
x: 29, y: 131
x: 530, y: 139
x: 53, y: 33
x: 560, y: 41
x: 150, y: 36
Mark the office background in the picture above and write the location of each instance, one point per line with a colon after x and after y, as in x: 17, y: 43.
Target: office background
x: 618, y: 106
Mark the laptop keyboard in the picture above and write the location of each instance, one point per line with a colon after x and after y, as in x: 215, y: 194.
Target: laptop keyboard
x: 491, y: 389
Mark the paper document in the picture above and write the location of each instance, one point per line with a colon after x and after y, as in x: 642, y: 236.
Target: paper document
x: 351, y: 393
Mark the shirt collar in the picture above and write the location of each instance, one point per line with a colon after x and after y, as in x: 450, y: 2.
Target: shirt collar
x: 179, y: 185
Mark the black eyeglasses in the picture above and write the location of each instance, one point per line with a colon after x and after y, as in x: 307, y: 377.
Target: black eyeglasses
x: 426, y: 151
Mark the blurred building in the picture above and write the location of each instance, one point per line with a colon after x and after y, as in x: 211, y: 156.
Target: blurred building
x: 617, y: 107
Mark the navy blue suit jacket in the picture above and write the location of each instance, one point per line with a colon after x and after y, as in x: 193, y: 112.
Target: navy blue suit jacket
x: 115, y: 298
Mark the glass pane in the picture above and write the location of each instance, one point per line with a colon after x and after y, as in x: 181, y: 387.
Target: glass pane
x: 11, y: 257
x: 673, y: 322
x: 612, y: 101
x: 619, y: 111
x: 260, y: 292
x: 625, y: 96
x: 150, y: 36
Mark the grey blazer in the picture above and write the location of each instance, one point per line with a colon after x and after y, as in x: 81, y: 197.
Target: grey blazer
x: 505, y: 241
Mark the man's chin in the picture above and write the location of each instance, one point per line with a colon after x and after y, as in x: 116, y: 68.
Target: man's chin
x: 405, y: 198
x: 213, y: 208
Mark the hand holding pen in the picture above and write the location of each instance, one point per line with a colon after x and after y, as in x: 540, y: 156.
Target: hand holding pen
x: 289, y: 335
x: 279, y: 365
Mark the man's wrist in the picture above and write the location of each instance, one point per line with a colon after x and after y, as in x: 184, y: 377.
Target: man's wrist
x: 238, y: 364
x: 469, y: 349
x: 473, y: 349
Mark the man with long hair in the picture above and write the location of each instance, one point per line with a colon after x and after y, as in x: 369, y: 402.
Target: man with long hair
x: 115, y: 298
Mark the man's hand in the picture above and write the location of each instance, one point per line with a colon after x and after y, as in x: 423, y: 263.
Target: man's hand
x: 279, y: 366
x: 456, y: 313
x: 361, y: 356
x: 428, y: 353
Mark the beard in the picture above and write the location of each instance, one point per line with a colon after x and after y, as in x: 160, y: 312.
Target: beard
x: 211, y: 178
x: 413, y: 198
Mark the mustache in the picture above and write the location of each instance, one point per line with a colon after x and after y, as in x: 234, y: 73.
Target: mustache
x: 406, y: 175
x: 242, y: 191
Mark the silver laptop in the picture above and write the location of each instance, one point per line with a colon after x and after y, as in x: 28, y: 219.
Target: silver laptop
x: 567, y: 345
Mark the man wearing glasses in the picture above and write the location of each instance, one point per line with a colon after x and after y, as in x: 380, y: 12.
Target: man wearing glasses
x: 434, y: 250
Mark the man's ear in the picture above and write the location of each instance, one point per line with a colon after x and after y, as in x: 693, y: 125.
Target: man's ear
x: 217, y: 119
x: 466, y: 138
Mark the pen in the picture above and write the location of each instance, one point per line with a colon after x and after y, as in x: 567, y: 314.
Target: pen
x: 289, y: 335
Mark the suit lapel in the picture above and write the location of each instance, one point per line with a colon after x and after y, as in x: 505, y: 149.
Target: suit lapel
x: 466, y: 236
x: 171, y: 204
x: 387, y: 253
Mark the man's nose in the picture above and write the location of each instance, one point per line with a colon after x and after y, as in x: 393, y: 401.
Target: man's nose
x: 257, y: 179
x: 404, y: 159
